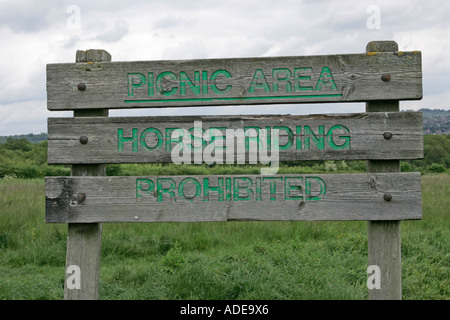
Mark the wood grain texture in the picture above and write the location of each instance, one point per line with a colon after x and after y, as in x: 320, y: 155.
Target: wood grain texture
x: 384, y: 251
x: 181, y: 199
x: 268, y: 80
x: 84, y: 240
x: 384, y: 237
x: 365, y: 133
x: 84, y: 243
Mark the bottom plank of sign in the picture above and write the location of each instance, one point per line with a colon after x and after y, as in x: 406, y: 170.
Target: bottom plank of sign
x: 357, y: 196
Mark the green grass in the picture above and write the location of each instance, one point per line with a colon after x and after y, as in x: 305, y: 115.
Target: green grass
x: 229, y: 260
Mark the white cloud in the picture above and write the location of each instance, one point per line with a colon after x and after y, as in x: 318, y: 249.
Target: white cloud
x: 25, y: 117
x: 115, y: 34
x: 35, y: 33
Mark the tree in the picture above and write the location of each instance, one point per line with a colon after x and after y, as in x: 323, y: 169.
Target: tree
x: 21, y: 144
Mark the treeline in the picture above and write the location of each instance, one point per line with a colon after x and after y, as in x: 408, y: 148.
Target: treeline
x: 32, y: 137
x: 20, y: 158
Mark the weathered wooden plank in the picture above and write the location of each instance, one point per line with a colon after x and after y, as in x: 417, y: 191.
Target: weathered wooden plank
x: 314, y: 137
x: 214, y: 82
x: 238, y: 197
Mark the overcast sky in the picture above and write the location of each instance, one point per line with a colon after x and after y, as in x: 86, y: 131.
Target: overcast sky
x: 35, y: 33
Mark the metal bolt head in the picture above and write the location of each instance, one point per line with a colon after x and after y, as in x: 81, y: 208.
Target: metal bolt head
x: 386, y: 77
x: 387, y: 135
x: 81, y: 197
x: 387, y: 197
x: 81, y: 86
x: 83, y: 139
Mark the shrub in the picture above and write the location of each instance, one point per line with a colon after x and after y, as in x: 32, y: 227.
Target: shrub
x: 5, y: 170
x: 330, y: 166
x: 113, y: 170
x: 436, y: 168
x: 406, y: 167
x: 28, y: 171
x: 52, y: 170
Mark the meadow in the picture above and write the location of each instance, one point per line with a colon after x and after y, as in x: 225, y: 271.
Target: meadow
x: 230, y: 260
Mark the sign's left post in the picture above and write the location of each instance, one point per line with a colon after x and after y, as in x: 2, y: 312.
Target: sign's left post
x: 84, y: 240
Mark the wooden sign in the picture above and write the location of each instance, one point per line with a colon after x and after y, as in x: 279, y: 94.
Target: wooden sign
x: 394, y: 196
x: 383, y: 196
x: 214, y: 82
x: 394, y: 135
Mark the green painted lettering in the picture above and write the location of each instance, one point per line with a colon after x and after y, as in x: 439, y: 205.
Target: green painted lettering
x: 169, y: 190
x: 288, y: 188
x: 237, y: 188
x: 185, y: 80
x: 298, y: 78
x: 132, y: 84
x: 259, y: 81
x: 160, y: 86
x: 204, y: 82
x: 198, y: 188
x: 214, y: 85
x: 215, y: 133
x: 273, y: 186
x: 285, y: 78
x: 269, y: 138
x: 198, y: 143
x: 228, y: 187
x: 346, y: 138
x: 258, y: 188
x: 290, y: 136
x: 309, y: 134
x: 252, y: 137
x: 298, y: 138
x: 325, y: 79
x: 219, y: 189
x: 143, y: 185
x: 158, y: 137
x: 170, y: 140
x: 151, y: 90
x: 121, y: 139
x: 308, y: 189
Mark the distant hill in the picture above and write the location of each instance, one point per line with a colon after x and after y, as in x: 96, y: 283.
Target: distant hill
x: 33, y: 138
x: 433, y: 113
x: 436, y: 121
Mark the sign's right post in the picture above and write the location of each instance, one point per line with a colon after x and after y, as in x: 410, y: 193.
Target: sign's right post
x: 384, y: 238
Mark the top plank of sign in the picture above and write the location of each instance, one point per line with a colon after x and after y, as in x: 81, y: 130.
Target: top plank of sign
x: 244, y: 81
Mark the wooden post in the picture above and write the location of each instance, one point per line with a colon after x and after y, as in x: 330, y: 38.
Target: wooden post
x: 384, y: 239
x: 84, y: 240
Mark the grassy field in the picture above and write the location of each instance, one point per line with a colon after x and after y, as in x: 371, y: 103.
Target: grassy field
x: 231, y: 260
